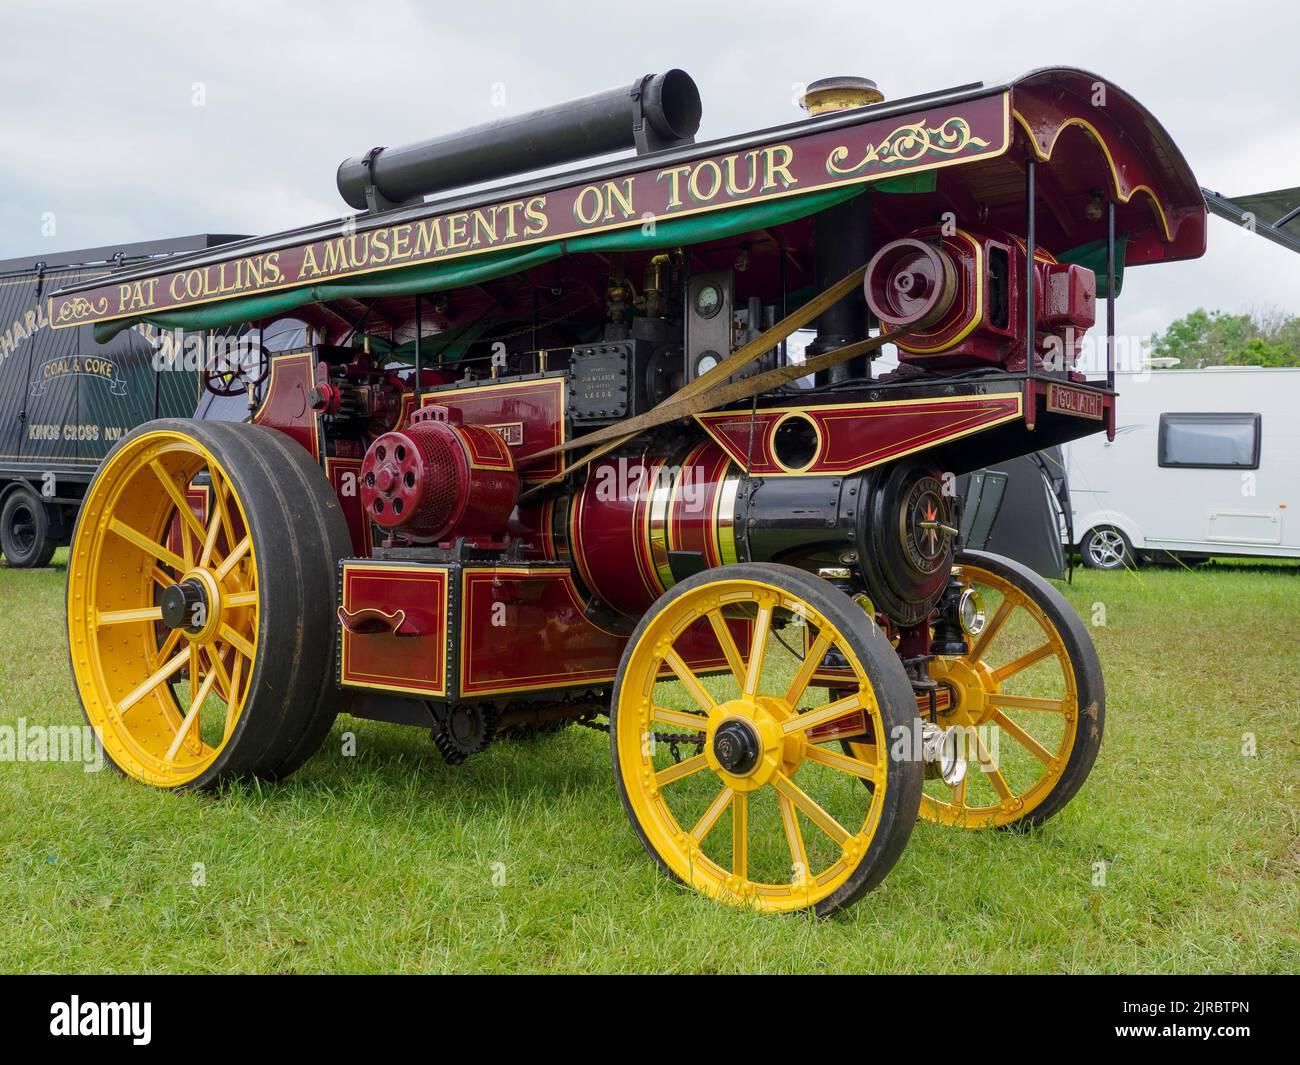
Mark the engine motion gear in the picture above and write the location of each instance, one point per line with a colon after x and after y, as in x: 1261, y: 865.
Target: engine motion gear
x: 462, y: 730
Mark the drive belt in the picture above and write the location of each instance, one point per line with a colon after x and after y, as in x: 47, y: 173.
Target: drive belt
x: 713, y: 389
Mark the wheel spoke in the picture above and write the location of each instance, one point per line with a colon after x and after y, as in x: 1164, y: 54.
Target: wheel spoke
x: 712, y: 815
x: 681, y: 769
x: 239, y: 599
x: 124, y: 617
x: 134, y: 536
x: 219, y: 502
x: 689, y: 681
x: 843, y: 762
x: 223, y: 677
x: 793, y: 837
x: 959, y: 792
x: 1023, y: 662
x: 722, y: 632
x: 1023, y: 738
x: 169, y: 644
x: 822, y: 715
x: 819, y: 817
x: 757, y: 651
x: 991, y: 629
x: 178, y: 498
x: 1026, y: 702
x: 195, y: 706
x: 236, y: 641
x: 990, y: 769
x: 740, y: 835
x: 810, y: 663
x: 234, y: 699
x: 166, y: 670
x: 210, y: 538
x: 233, y: 559
x: 680, y: 718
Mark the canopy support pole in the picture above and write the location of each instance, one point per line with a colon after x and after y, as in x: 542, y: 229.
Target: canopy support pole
x: 1031, y: 318
x: 1110, y: 294
x: 419, y: 351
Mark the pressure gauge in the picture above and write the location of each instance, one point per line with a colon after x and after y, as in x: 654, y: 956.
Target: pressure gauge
x: 708, y: 300
x: 706, y: 362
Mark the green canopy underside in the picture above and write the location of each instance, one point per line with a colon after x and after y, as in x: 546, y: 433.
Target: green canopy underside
x: 438, y: 276
x: 1093, y: 256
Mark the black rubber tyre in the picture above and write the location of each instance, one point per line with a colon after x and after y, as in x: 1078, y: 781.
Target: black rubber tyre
x: 24, y: 530
x: 298, y: 536
x: 892, y: 690
x: 1107, y: 548
x: 321, y: 531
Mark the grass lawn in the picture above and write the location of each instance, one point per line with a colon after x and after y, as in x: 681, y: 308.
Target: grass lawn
x: 522, y: 859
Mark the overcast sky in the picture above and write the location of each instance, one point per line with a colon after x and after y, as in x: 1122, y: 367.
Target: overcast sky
x: 141, y: 121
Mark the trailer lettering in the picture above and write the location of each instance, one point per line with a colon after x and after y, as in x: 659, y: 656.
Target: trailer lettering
x: 729, y: 173
x: 772, y: 170
x: 760, y: 172
x: 674, y: 175
x: 428, y: 238
x: 458, y: 230
x: 596, y: 203
x: 535, y: 213
x: 485, y: 227
x: 22, y: 329
x: 137, y: 296
x: 736, y: 175
x: 698, y: 193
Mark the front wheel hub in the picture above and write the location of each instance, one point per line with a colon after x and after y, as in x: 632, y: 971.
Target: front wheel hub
x: 737, y: 747
x: 185, y: 605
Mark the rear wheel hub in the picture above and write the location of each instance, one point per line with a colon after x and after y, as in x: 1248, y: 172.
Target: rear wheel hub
x: 185, y: 605
x: 737, y: 747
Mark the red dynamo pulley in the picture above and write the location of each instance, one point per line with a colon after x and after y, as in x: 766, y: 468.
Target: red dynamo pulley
x: 909, y: 279
x: 437, y: 480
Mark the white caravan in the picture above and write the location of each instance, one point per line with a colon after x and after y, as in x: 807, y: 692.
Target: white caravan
x: 1204, y: 462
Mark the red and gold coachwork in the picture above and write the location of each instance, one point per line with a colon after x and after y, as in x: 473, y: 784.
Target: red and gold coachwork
x: 550, y: 455
x: 393, y: 632
x: 528, y: 415
x: 853, y: 437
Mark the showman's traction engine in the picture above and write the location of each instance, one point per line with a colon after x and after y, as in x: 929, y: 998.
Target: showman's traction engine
x: 618, y: 447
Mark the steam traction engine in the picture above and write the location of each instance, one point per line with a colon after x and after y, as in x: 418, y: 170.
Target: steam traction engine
x: 614, y: 443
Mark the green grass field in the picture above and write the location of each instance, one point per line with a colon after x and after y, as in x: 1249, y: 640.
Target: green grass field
x: 522, y: 859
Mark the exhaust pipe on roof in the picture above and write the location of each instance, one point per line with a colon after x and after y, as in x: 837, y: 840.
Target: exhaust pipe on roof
x: 656, y: 111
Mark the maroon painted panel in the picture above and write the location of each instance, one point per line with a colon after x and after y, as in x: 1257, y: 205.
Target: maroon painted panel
x: 415, y: 598
x: 523, y: 629
x: 855, y: 436
x: 287, y: 404
x: 343, y: 476
x: 528, y: 415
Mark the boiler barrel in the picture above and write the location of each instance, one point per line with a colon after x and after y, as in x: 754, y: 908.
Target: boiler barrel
x: 593, y: 125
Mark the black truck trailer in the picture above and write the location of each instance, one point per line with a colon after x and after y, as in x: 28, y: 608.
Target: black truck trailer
x: 66, y: 399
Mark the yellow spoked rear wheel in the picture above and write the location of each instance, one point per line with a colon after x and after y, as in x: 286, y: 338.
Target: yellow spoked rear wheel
x: 184, y: 536
x: 1028, y: 698
x: 731, y: 769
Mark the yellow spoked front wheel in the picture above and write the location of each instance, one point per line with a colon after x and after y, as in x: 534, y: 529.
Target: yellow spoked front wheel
x: 200, y: 586
x: 728, y: 758
x: 1028, y: 697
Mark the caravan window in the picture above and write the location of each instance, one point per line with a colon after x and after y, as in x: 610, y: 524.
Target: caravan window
x: 1210, y: 441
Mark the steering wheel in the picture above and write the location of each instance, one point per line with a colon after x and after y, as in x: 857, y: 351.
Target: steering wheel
x: 232, y: 371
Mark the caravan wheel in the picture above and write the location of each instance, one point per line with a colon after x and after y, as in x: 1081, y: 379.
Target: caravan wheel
x: 1107, y: 548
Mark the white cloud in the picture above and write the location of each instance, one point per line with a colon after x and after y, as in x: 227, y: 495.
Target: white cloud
x: 98, y: 123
